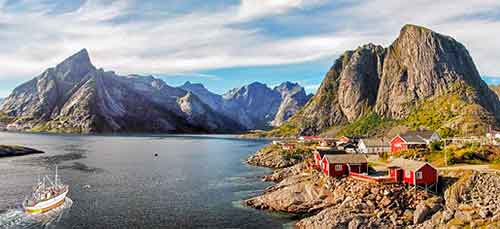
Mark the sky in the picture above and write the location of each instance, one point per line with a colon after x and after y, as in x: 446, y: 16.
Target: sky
x: 225, y: 44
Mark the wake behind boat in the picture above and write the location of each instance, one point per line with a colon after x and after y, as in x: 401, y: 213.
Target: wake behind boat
x: 47, y: 195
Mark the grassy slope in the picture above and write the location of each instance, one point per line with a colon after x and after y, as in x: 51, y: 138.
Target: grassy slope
x: 4, y: 118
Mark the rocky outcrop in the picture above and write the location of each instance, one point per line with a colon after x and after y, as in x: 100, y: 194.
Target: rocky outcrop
x: 472, y: 200
x: 297, y: 194
x: 10, y: 151
x: 76, y: 97
x: 272, y: 156
x: 345, y: 202
x: 418, y: 66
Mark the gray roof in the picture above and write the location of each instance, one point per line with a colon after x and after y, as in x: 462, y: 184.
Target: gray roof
x: 408, y: 164
x: 375, y: 142
x: 346, y: 158
x: 417, y: 137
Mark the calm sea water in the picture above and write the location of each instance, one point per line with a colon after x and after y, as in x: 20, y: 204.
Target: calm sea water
x: 117, y: 182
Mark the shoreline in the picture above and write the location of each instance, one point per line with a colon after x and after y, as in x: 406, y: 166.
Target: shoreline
x: 326, y: 202
x: 16, y: 151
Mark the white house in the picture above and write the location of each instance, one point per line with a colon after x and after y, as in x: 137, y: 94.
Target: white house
x: 373, y: 145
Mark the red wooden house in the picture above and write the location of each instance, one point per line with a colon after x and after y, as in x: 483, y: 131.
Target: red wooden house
x: 288, y: 146
x: 418, y: 173
x: 336, y: 165
x: 343, y: 140
x: 319, y: 152
x: 413, y: 140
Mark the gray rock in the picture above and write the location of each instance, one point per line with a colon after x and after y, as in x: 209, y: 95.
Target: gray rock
x: 421, y: 213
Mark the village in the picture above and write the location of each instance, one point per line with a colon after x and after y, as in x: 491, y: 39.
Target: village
x: 383, y: 161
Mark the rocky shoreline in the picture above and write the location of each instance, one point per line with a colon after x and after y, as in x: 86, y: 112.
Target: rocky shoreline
x: 12, y: 150
x: 466, y: 198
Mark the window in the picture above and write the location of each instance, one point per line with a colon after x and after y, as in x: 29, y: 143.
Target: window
x: 397, y: 145
x: 407, y: 174
x: 419, y: 175
x: 338, y: 167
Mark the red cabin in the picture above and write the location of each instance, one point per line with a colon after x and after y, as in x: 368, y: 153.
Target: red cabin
x: 336, y: 165
x: 288, y: 146
x: 413, y: 140
x: 343, y: 140
x: 413, y: 172
x: 320, y: 152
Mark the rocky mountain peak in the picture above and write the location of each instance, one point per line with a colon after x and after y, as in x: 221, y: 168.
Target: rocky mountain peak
x: 75, y: 66
x: 193, y: 86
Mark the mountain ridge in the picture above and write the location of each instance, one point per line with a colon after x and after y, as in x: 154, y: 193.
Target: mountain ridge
x: 255, y: 105
x: 74, y: 96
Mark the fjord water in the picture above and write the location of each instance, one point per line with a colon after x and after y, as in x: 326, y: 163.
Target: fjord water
x: 118, y: 182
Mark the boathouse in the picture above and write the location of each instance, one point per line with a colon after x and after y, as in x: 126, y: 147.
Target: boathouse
x: 337, y: 165
x: 413, y: 140
x: 417, y: 173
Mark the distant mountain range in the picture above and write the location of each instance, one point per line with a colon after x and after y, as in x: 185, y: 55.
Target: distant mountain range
x: 256, y: 106
x: 422, y: 80
x: 76, y: 97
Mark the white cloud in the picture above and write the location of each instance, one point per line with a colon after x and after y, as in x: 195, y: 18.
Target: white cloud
x: 33, y: 39
x: 251, y: 9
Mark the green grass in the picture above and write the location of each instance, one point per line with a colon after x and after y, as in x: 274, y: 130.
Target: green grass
x: 4, y: 118
x: 449, y: 115
x: 367, y: 125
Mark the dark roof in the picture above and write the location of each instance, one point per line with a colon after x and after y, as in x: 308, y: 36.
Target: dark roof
x: 346, y: 158
x: 417, y: 137
x: 332, y: 150
x: 407, y: 164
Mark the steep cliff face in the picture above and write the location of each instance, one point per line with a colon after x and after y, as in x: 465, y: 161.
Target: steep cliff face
x: 494, y: 88
x: 76, y: 97
x: 348, y: 91
x: 419, y: 66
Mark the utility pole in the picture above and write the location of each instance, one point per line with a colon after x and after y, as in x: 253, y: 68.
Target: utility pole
x: 445, y: 156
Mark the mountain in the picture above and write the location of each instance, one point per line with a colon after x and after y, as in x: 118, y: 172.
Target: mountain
x: 256, y: 106
x: 75, y: 96
x: 293, y: 97
x: 496, y: 89
x: 423, y: 79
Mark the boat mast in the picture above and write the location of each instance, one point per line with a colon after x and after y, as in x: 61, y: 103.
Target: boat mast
x: 56, y: 176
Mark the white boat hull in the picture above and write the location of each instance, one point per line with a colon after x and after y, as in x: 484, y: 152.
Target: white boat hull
x: 47, y: 205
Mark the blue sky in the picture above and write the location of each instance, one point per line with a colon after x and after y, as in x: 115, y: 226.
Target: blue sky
x: 225, y: 44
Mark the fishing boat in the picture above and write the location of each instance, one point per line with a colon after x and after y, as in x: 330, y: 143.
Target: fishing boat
x: 46, y: 195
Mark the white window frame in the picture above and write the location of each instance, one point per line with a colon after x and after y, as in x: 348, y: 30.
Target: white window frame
x: 419, y: 175
x: 338, y: 167
x: 407, y: 174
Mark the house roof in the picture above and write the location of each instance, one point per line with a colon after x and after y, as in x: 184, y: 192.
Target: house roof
x: 346, y: 158
x: 374, y: 142
x: 417, y: 137
x: 408, y: 164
